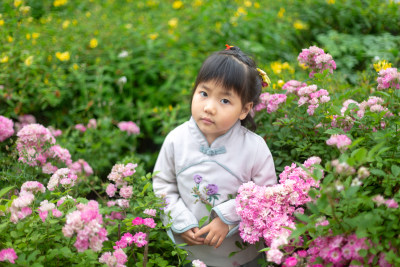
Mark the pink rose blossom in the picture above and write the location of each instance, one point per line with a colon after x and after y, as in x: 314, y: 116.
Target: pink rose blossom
x: 340, y: 140
x: 111, y: 189
x: 8, y: 254
x: 150, y: 212
x: 6, y: 128
x: 198, y: 263
x: 149, y: 222
x: 291, y: 261
x: 137, y: 221
x: 80, y: 127
x: 317, y: 60
x: 140, y: 239
x: 129, y: 126
x: 126, y: 192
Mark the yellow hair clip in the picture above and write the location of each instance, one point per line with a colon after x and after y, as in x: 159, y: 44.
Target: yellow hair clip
x: 265, y: 79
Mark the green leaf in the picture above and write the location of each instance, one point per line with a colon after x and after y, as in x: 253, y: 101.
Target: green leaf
x: 334, y: 131
x: 395, y: 170
x: 238, y: 244
x: 5, y: 190
x: 203, y: 220
x: 359, y: 154
x: 378, y: 172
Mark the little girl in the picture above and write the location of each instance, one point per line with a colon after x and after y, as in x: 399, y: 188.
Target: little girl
x: 204, y: 161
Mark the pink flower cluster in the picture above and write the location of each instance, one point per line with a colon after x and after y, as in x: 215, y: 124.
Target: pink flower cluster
x: 63, y: 176
x: 44, y: 209
x: 81, y: 167
x: 339, y: 250
x: 198, y: 263
x: 8, y: 254
x: 20, y: 206
x: 24, y: 120
x: 390, y: 203
x: 31, y: 144
x: 309, y: 95
x: 340, y: 140
x: 265, y: 210
x: 373, y: 104
x: 270, y: 102
x: 293, y: 86
x: 388, y: 78
x: 6, y: 128
x: 129, y: 126
x: 317, y: 60
x: 86, y: 222
x: 149, y: 222
x: 82, y: 128
x: 117, y: 175
x: 150, y: 212
x: 116, y: 259
x: 120, y: 171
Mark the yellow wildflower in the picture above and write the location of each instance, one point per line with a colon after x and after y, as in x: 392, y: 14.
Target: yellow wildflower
x: 93, y: 43
x: 4, y: 59
x: 303, y: 66
x: 64, y: 56
x: 281, y: 12
x: 35, y: 35
x: 28, y: 36
x: 330, y: 2
x: 1, y: 22
x: 65, y: 24
x: 46, y: 81
x: 128, y: 26
x: 281, y: 83
x: 74, y: 22
x: 170, y: 107
x: 49, y: 58
x: 247, y: 3
x: 173, y: 22
x: 75, y: 66
x: 299, y: 25
x: 329, y: 117
x: 10, y: 39
x: 24, y: 9
x: 382, y: 65
x: 88, y: 14
x: 151, y: 3
x: 57, y: 3
x: 153, y: 36
x: 155, y: 110
x: 28, y: 61
x: 241, y: 11
x: 17, y: 3
x: 177, y: 4
x: 257, y: 5
x: 218, y: 25
x: 197, y: 3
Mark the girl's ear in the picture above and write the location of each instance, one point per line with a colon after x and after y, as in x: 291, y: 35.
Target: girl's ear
x: 246, y: 109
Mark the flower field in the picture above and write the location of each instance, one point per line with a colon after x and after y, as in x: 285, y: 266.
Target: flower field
x: 89, y: 90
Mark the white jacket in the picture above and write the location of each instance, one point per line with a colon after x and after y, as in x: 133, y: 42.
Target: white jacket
x: 237, y: 157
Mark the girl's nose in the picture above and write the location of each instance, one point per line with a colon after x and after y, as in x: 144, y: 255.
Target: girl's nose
x: 209, y: 107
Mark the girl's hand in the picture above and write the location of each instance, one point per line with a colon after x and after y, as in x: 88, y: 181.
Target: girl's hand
x: 190, y: 239
x: 217, y: 231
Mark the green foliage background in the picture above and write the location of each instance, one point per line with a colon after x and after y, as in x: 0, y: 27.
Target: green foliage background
x: 166, y: 45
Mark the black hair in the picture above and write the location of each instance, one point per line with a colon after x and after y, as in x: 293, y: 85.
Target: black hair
x: 234, y: 70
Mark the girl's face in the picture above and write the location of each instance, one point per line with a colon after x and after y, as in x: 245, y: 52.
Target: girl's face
x: 216, y: 109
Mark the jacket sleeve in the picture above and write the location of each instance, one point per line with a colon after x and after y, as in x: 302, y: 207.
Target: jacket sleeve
x: 164, y: 184
x: 263, y: 173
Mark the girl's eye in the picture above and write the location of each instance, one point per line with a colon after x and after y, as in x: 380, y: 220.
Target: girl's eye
x: 225, y: 101
x: 202, y: 93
